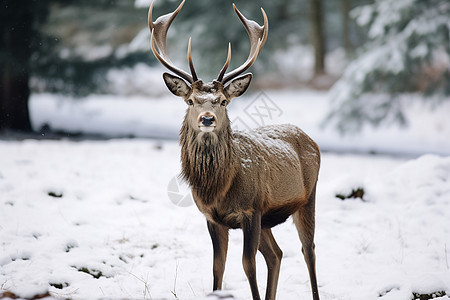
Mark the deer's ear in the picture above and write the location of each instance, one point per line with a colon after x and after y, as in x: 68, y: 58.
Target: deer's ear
x: 239, y: 85
x: 176, y: 85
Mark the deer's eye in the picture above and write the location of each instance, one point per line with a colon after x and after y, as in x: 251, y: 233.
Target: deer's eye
x: 223, y: 103
x: 190, y: 102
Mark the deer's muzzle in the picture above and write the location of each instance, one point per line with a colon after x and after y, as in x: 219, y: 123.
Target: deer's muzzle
x: 207, y: 122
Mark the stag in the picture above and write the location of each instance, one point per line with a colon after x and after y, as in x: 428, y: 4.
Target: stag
x: 249, y: 180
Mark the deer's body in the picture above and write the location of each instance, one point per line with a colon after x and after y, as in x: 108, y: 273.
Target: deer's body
x: 272, y: 169
x: 249, y: 180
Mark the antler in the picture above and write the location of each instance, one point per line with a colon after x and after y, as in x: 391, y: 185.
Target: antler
x: 158, y: 41
x: 258, y: 37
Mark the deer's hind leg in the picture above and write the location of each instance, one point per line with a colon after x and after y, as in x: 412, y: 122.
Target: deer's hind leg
x: 272, y: 254
x: 251, y: 228
x: 304, y: 220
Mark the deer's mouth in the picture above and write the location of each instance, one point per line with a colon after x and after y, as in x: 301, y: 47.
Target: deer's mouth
x: 209, y: 128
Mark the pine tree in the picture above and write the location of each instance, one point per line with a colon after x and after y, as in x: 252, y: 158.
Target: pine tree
x: 408, y: 52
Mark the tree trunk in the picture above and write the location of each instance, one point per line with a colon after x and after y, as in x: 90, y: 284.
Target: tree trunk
x: 317, y: 35
x: 15, y: 39
x: 346, y: 42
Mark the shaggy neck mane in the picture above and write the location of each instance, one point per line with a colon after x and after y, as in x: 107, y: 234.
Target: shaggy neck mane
x: 207, y: 161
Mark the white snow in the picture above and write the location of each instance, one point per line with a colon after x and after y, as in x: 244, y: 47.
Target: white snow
x: 114, y: 216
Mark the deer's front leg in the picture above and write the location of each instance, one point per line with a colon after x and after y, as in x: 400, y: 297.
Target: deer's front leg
x: 251, y: 228
x: 219, y: 237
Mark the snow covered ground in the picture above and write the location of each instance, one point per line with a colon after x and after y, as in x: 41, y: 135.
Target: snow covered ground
x: 93, y: 219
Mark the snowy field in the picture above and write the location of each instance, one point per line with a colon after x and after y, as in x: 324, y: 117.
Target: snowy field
x: 93, y: 219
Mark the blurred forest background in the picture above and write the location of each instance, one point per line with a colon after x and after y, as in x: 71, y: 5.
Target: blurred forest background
x: 361, y: 49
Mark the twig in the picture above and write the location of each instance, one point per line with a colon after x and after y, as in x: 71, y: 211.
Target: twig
x: 192, y: 289
x: 2, y: 287
x: 146, y: 290
x: 145, y: 282
x: 174, y: 292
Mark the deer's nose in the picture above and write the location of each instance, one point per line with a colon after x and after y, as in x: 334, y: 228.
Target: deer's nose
x: 207, y: 121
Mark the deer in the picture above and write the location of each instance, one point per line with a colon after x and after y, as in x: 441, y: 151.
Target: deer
x: 248, y: 180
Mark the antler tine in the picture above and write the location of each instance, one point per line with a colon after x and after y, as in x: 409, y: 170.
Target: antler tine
x: 159, y: 30
x: 191, y: 64
x: 225, y: 66
x: 166, y: 62
x: 258, y: 37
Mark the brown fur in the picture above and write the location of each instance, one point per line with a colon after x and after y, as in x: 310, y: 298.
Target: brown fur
x: 207, y: 162
x: 233, y: 174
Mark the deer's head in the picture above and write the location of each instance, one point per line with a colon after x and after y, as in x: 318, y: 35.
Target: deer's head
x: 206, y: 102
